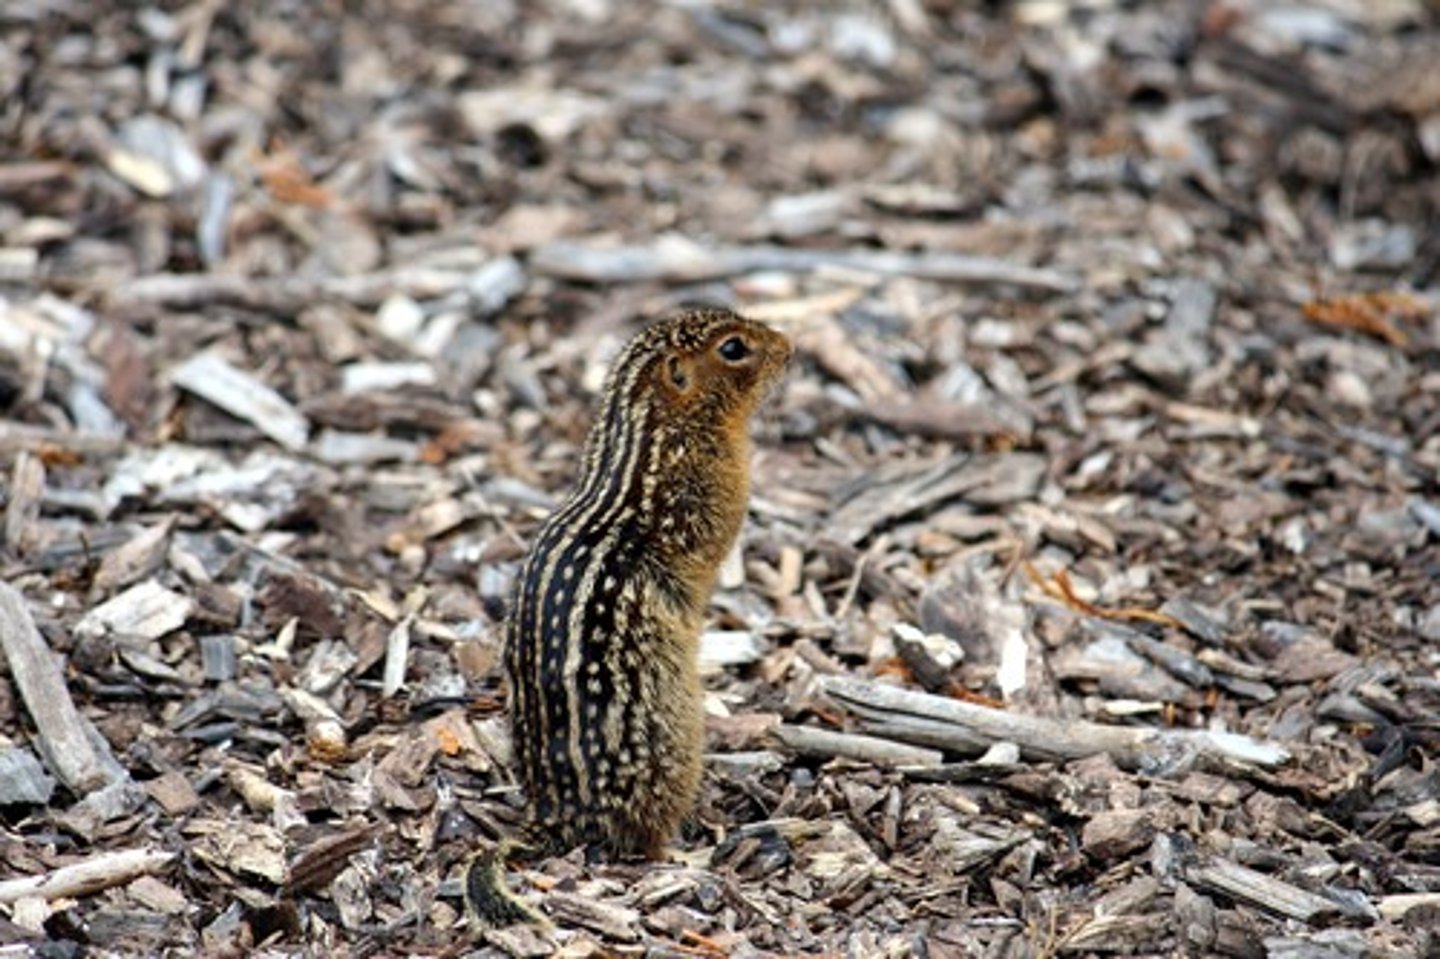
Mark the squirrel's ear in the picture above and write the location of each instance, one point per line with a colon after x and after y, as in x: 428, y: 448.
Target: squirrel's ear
x: 679, y: 375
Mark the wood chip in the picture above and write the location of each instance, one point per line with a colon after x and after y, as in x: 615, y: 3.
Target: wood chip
x: 73, y: 752
x: 87, y: 876
x: 213, y: 379
x: 145, y: 611
x: 1257, y: 889
x: 938, y: 721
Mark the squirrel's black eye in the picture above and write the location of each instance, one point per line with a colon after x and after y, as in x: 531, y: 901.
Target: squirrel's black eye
x: 734, y: 349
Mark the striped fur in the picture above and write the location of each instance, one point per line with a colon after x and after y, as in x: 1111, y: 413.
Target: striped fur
x: 602, y: 633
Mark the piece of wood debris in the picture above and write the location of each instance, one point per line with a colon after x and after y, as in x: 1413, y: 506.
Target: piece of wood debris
x: 397, y: 656
x: 25, y: 436
x: 1180, y: 348
x: 1395, y: 907
x: 616, y: 922
x: 145, y: 611
x: 324, y: 858
x: 889, y: 495
x: 22, y: 511
x: 339, y: 448
x: 720, y: 648
x: 133, y: 560
x: 930, y: 656
x: 814, y: 741
x: 938, y: 419
x: 22, y: 779
x: 750, y: 763
x: 1257, y: 889
x: 675, y: 259
x: 244, y: 847
x: 103, y: 806
x: 1112, y: 934
x: 173, y: 793
x: 965, y: 727
x: 375, y: 377
x: 287, y: 295
x: 88, y: 876
x: 212, y: 378
x: 70, y: 750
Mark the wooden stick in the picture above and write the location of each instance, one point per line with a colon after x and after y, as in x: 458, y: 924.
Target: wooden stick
x: 824, y: 742
x: 288, y: 294
x: 89, y: 876
x: 72, y: 754
x: 25, y: 436
x: 676, y: 260
x: 1246, y: 885
x: 965, y: 727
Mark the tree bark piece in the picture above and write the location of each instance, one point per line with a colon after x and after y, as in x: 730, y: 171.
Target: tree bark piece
x: 965, y: 727
x: 241, y: 395
x: 1257, y: 889
x: 677, y: 260
x: 825, y: 742
x: 26, y: 436
x: 72, y: 754
x: 89, y: 876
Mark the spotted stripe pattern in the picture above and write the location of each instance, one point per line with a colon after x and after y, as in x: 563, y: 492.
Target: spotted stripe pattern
x: 603, y: 627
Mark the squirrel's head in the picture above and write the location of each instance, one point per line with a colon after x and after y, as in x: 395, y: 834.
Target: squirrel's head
x: 707, y: 362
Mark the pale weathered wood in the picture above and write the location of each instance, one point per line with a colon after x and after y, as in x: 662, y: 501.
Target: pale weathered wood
x: 487, y: 287
x: 674, y: 259
x: 213, y: 379
x: 26, y: 436
x: 1395, y: 907
x: 825, y: 742
x: 89, y: 876
x: 949, y: 723
x: 27, y: 490
x: 72, y: 754
x: 1246, y: 885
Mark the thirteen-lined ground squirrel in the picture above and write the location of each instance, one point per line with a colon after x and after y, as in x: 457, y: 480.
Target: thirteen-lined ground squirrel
x: 602, y: 636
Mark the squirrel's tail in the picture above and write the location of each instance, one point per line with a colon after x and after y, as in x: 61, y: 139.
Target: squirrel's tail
x: 488, y: 897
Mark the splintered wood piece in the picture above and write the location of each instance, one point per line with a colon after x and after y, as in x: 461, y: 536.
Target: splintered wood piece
x: 70, y: 751
x: 1118, y: 934
x: 616, y: 922
x: 673, y: 259
x: 484, y: 286
x: 325, y: 858
x: 938, y: 419
x: 1395, y: 907
x: 214, y: 380
x: 22, y: 512
x: 825, y: 742
x: 47, y: 441
x: 1060, y: 588
x: 134, y: 559
x: 879, y: 500
x: 88, y: 876
x: 145, y: 611
x: 952, y: 724
x: 837, y: 351
x: 730, y: 647
x: 23, y: 779
x: 397, y: 657
x: 1246, y: 885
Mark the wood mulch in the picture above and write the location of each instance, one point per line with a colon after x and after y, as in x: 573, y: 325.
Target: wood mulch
x: 1089, y: 600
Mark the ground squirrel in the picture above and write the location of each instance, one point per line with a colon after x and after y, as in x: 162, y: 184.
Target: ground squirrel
x: 602, y: 634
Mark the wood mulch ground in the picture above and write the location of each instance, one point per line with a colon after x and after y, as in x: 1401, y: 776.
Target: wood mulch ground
x: 1089, y: 600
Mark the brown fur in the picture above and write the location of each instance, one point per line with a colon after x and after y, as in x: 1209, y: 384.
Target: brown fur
x: 602, y: 638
